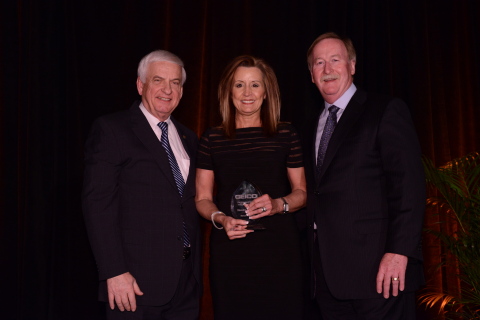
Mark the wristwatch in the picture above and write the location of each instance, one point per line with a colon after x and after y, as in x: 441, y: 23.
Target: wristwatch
x: 286, y: 207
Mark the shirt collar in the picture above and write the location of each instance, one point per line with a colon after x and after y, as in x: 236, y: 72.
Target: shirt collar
x: 151, y: 119
x: 343, y: 101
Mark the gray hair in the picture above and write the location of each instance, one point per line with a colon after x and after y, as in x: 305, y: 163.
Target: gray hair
x: 159, y: 55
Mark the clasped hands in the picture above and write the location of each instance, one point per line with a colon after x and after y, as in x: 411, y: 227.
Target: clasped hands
x: 260, y: 207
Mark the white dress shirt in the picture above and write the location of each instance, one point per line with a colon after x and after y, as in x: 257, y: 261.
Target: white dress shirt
x: 176, y: 144
x: 341, y: 103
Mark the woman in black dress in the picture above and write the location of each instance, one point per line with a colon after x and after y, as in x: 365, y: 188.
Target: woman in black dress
x: 255, y: 274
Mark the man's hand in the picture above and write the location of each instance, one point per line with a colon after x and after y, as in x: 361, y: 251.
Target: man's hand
x: 391, y: 271
x: 122, y: 290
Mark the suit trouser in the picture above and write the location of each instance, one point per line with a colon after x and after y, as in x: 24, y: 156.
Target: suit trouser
x: 401, y: 307
x: 183, y: 306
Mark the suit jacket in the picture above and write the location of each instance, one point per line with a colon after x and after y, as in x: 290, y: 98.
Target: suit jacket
x: 370, y: 197
x: 132, y: 209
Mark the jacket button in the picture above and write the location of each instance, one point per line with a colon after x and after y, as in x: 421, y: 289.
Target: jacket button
x: 179, y: 238
x: 317, y: 193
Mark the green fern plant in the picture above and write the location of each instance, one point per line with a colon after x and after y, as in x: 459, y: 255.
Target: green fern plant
x: 458, y: 196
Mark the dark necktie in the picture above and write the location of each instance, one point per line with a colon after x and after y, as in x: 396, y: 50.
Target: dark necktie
x: 177, y: 174
x: 326, y: 135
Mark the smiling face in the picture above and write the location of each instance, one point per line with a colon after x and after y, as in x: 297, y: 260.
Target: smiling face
x: 248, y: 91
x: 332, y: 71
x: 162, y: 89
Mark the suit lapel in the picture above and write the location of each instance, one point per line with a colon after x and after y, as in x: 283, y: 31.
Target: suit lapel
x: 144, y: 132
x: 351, y: 115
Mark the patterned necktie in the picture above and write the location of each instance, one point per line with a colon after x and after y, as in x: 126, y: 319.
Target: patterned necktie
x: 177, y: 174
x: 326, y: 135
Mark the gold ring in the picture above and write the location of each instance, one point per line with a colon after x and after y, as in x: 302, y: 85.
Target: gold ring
x: 395, y: 279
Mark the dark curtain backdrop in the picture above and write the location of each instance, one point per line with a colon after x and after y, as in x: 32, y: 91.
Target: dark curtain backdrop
x: 64, y: 63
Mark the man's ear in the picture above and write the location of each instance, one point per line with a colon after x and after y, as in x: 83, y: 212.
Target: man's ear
x: 140, y: 85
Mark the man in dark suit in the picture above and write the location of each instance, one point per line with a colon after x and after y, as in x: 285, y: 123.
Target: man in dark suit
x: 366, y: 194
x: 138, y: 201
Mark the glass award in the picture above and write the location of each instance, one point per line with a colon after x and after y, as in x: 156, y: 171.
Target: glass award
x: 245, y: 193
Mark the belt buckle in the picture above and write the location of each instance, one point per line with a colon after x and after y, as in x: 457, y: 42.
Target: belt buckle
x: 186, y: 252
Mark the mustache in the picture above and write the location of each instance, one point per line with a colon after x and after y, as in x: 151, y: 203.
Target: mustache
x: 330, y: 77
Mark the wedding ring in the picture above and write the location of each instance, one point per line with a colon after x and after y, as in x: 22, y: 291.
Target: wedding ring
x: 264, y: 209
x: 395, y: 279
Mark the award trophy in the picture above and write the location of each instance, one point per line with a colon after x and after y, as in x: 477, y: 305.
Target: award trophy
x: 245, y: 193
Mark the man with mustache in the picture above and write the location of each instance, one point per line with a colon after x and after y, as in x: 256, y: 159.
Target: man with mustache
x: 366, y: 194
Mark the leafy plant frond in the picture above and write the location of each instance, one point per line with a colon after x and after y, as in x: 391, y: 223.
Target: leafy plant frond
x: 458, y: 197
x: 432, y: 299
